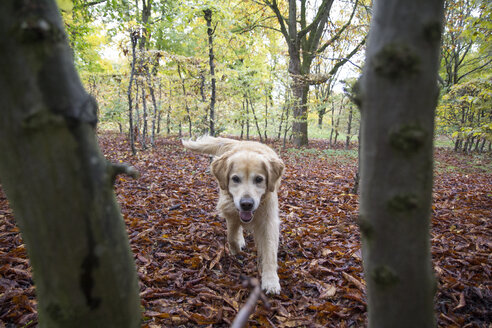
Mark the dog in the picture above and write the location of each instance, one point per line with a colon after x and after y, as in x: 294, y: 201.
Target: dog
x: 248, y: 174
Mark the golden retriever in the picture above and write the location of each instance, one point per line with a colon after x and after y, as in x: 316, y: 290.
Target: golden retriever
x: 249, y: 175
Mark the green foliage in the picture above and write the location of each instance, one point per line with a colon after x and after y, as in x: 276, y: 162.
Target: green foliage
x: 464, y: 111
x: 466, y: 70
x: 252, y: 79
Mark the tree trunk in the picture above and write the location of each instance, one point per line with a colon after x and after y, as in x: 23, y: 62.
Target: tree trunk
x: 144, y: 118
x: 267, y: 98
x: 210, y: 32
x: 483, y: 145
x: 332, y: 122
x: 202, y: 93
x: 355, y: 188
x: 58, y: 183
x: 185, y: 101
x: 321, y: 114
x: 154, y: 104
x: 159, y: 113
x: 137, y: 128
x: 169, y: 109
x: 299, y: 124
x: 281, y: 121
x: 256, y: 119
x: 457, y: 144
x: 399, y: 94
x: 336, y: 131
x: 349, y: 127
x: 133, y: 39
x: 247, y: 117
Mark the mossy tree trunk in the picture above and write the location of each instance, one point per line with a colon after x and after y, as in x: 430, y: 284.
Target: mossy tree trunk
x: 398, y: 96
x: 58, y: 183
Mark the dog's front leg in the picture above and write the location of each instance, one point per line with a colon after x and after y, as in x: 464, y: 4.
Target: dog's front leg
x: 235, y: 236
x: 267, y: 238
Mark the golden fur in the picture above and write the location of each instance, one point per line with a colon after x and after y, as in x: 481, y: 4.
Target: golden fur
x: 249, y: 175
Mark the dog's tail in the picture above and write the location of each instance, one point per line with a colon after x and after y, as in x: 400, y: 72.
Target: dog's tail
x: 210, y: 145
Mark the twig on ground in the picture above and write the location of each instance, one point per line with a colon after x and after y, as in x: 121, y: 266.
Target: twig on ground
x: 242, y: 316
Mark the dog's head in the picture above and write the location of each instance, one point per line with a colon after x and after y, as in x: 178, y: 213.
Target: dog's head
x: 247, y: 176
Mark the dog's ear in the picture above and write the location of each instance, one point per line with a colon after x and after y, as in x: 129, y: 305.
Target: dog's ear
x: 275, y: 172
x: 220, y: 169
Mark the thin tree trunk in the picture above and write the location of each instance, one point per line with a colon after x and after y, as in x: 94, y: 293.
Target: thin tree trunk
x: 169, y: 109
x: 242, y: 121
x: 355, y: 188
x: 138, y: 134
x: 144, y: 123
x: 185, y: 100
x: 256, y: 119
x: 337, y: 124
x: 332, y: 122
x: 280, y: 123
x: 159, y: 115
x: 202, y: 93
x: 287, y: 127
x: 457, y: 144
x: 483, y: 145
x: 349, y: 127
x: 133, y: 39
x: 210, y: 32
x: 154, y: 103
x: 399, y: 92
x: 267, y: 98
x: 56, y: 179
x: 336, y: 132
x: 247, y: 117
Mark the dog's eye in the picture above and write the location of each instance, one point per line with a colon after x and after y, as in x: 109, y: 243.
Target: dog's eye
x: 235, y: 179
x: 258, y: 179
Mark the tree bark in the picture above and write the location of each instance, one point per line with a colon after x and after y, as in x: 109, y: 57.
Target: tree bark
x: 210, y: 32
x: 133, y: 40
x: 254, y: 116
x: 57, y: 181
x: 399, y: 96
x: 154, y: 103
x: 188, y: 114
x: 144, y: 117
x: 349, y: 127
x: 303, y: 41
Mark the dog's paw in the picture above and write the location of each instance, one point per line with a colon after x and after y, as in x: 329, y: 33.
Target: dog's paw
x: 241, y: 243
x: 235, y: 248
x: 270, y: 285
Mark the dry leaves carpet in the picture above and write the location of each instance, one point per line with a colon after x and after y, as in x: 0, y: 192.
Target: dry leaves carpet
x: 189, y: 279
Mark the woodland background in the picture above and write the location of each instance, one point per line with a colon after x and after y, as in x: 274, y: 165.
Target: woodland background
x: 148, y: 65
x: 171, y: 86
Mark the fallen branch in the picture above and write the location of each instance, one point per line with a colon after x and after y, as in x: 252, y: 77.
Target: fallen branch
x: 123, y: 169
x: 242, y: 316
x: 360, y: 285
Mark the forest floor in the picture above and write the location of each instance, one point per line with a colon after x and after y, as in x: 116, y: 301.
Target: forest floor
x: 188, y: 277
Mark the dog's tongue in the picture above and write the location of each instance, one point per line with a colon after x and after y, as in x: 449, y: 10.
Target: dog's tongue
x: 246, y: 216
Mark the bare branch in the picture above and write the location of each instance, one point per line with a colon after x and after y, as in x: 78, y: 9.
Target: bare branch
x: 123, y: 169
x: 339, y: 33
x: 281, y: 20
x: 242, y: 316
x: 475, y: 69
x: 347, y: 58
x: 89, y: 4
x: 322, y: 12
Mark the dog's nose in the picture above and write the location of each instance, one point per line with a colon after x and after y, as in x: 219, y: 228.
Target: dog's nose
x: 246, y: 203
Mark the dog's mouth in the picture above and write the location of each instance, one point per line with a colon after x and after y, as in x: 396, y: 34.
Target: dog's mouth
x: 246, y: 216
